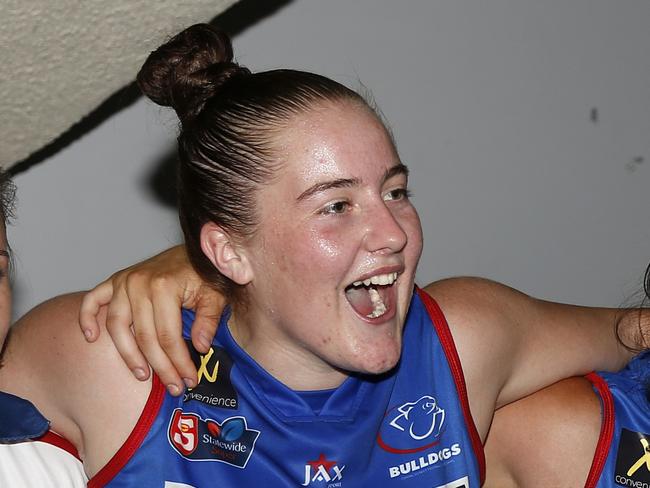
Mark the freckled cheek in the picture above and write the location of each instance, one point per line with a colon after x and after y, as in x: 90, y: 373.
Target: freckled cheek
x: 316, y: 260
x: 318, y: 250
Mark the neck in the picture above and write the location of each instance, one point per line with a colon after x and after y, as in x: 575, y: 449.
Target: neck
x: 296, y: 367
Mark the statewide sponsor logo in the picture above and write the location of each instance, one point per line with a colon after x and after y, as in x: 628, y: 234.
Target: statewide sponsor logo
x: 214, y: 387
x: 197, y: 439
x: 323, y: 472
x: 633, y: 459
x: 412, y: 426
x: 425, y: 462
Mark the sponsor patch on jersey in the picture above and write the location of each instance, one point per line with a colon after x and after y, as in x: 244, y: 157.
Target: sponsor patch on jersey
x: 214, y: 386
x: 633, y: 459
x: 323, y: 472
x: 459, y: 483
x: 412, y: 426
x: 229, y: 441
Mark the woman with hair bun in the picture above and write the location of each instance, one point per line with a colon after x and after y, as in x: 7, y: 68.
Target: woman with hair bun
x: 330, y: 367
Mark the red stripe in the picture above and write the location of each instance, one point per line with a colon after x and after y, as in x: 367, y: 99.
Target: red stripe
x: 62, y: 443
x: 134, y: 441
x: 447, y: 341
x: 606, y: 430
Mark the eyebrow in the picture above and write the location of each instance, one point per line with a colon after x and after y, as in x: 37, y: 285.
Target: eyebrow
x: 398, y: 169
x: 327, y: 185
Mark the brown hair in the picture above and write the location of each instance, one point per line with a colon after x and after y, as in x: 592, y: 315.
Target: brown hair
x: 7, y: 196
x: 636, y: 317
x: 228, y: 119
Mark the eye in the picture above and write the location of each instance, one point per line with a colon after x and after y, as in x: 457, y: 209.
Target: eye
x: 397, y: 194
x: 335, y: 208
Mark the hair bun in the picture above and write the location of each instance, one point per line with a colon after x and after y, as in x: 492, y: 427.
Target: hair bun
x: 189, y: 69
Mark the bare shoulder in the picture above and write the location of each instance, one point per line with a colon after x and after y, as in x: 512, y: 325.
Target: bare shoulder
x: 39, y: 349
x: 79, y: 387
x: 473, y: 304
x: 468, y: 297
x: 479, y: 312
x: 546, y: 439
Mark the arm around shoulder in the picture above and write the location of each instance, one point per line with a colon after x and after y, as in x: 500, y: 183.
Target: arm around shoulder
x: 511, y: 344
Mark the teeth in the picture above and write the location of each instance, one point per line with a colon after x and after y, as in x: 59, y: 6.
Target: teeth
x: 379, y: 308
x: 381, y: 279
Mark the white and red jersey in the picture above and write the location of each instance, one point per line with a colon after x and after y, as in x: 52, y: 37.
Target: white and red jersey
x: 30, y: 454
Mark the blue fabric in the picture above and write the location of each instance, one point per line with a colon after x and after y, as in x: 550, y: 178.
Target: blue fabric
x: 19, y: 419
x: 243, y: 428
x: 628, y: 460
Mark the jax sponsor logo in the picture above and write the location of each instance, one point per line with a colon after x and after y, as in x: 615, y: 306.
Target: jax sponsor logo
x: 214, y: 387
x: 412, y: 426
x: 323, y: 472
x: 633, y: 460
x: 425, y: 462
x: 197, y: 439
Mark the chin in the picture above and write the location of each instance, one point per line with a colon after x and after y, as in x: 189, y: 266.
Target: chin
x: 375, y: 362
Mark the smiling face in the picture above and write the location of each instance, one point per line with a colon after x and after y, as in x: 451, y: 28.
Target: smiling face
x: 333, y: 259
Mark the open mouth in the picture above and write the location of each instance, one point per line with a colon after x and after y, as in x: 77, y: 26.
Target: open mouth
x: 372, y: 297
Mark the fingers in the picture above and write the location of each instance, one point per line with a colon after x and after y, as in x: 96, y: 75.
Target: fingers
x: 147, y: 338
x: 169, y: 329
x: 90, y: 305
x: 208, y: 309
x: 119, y: 317
x: 152, y: 304
x: 144, y: 319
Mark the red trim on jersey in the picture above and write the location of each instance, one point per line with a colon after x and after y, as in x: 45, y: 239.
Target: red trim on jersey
x: 447, y: 341
x: 133, y: 442
x: 606, y: 430
x: 61, y: 442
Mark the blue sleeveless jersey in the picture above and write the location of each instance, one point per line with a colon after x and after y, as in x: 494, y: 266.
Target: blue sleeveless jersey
x: 240, y: 427
x: 623, y: 453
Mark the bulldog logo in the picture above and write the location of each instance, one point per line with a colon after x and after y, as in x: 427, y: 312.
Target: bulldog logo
x: 423, y: 418
x: 412, y: 426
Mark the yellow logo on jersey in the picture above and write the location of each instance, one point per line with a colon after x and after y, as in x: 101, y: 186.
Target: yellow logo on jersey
x: 644, y: 459
x: 203, y: 369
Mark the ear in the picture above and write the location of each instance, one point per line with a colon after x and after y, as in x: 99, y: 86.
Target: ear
x: 225, y: 254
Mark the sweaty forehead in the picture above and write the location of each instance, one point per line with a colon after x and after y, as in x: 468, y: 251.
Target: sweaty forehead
x: 338, y: 140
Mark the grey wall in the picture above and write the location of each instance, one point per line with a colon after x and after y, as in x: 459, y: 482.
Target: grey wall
x: 493, y: 104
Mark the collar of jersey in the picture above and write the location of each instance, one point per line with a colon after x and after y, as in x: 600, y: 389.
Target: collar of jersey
x: 341, y: 406
x: 21, y: 420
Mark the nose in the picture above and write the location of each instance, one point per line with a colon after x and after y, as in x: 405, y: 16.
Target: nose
x: 383, y: 231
